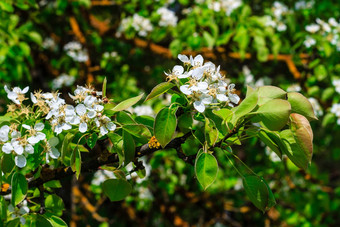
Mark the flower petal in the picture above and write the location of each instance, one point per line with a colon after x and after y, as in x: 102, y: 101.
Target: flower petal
x: 183, y: 58
x: 20, y: 161
x: 222, y: 97
x: 29, y: 149
x: 111, y: 126
x: 83, y: 127
x: 185, y: 89
x: 199, y: 106
x: 54, y: 153
x: 39, y: 126
x: 7, y: 148
x: 80, y: 109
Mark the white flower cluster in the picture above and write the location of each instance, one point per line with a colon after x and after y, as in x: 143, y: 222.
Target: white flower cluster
x: 294, y: 88
x: 336, y: 84
x: 140, y: 24
x: 102, y: 175
x: 16, y: 95
x: 143, y: 110
x: 76, y: 52
x: 250, y: 80
x: 205, y: 85
x: 227, y: 6
x: 168, y: 17
x: 272, y: 155
x: 49, y: 43
x: 19, y: 212
x: 112, y: 54
x: 316, y: 107
x: 14, y: 143
x: 329, y: 30
x: 88, y: 112
x: 62, y: 80
x: 302, y: 4
x: 278, y: 10
x: 336, y: 110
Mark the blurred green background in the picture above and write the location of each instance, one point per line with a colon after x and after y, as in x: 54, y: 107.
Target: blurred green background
x: 56, y: 45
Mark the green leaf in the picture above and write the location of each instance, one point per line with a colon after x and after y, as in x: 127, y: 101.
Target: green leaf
x: 165, y: 126
x: 92, y: 140
x: 13, y: 223
x: 65, y: 149
x: 298, y: 141
x: 265, y: 138
x: 125, y: 118
x: 116, y: 189
x: 54, y: 204
x: 301, y: 105
x: 246, y: 106
x: 258, y: 192
x: 206, y: 169
x: 320, y: 72
x: 3, y: 210
x: 242, y: 38
x: 119, y: 174
x: 127, y: 103
x: 209, y: 39
x: 35, y: 37
x: 298, y: 145
x: 267, y: 93
x: 57, y: 222
x: 274, y: 114
x: 128, y: 147
x: 19, y: 188
x: 211, y: 132
x: 224, y: 113
x: 159, y: 89
x: 6, y: 7
x: 138, y: 130
x: 53, y: 184
x: 43, y: 221
x: 76, y: 161
x: 185, y: 122
x: 303, y: 133
x: 7, y: 163
x: 175, y: 47
x: 104, y: 87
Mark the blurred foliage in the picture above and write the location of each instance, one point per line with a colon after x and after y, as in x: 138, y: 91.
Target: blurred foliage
x: 33, y: 35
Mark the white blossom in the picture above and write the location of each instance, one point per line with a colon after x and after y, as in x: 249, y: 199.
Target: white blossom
x: 20, y: 161
x: 36, y: 134
x: 316, y: 107
x: 140, y: 24
x: 309, y: 42
x: 205, y: 86
x: 52, y: 152
x: 279, y: 9
x: 336, y: 110
x: 4, y: 130
x: 168, y: 17
x: 76, y: 51
x: 49, y: 43
x: 19, y: 212
x: 272, y: 155
x: 227, y: 6
x: 14, y: 94
x: 336, y: 84
x: 312, y: 28
x: 294, y: 88
x: 62, y: 80
x: 143, y: 110
x: 302, y: 4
